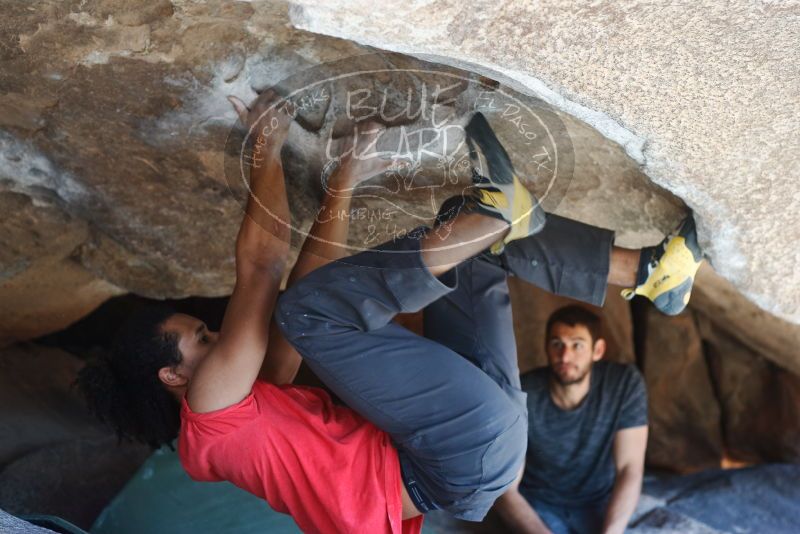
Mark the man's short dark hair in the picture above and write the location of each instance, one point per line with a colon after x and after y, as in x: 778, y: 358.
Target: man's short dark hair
x: 576, y: 315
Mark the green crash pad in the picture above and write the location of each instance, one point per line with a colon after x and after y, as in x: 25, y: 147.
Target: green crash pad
x: 161, y: 498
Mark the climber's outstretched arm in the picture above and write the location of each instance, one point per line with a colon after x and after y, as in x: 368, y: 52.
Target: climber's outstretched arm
x: 327, y: 238
x: 227, y: 374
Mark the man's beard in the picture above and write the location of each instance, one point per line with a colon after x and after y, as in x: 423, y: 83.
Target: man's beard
x: 564, y: 381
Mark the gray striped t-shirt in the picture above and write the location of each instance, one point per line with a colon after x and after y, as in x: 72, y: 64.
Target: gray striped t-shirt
x: 569, y: 460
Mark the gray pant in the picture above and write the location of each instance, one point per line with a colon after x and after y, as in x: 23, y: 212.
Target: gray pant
x: 451, y: 401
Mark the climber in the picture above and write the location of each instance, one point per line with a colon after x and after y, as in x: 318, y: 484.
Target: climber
x: 587, y: 434
x: 432, y: 422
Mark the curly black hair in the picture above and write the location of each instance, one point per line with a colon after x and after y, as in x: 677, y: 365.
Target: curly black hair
x: 122, y: 387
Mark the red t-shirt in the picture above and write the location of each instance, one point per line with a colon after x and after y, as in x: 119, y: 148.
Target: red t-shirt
x: 330, y: 469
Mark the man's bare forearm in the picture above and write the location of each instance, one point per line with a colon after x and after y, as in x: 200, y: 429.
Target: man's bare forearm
x: 325, y: 242
x: 624, y: 497
x: 518, y: 515
x: 327, y: 239
x: 264, y: 234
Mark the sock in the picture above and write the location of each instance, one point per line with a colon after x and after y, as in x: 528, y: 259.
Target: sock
x: 645, y: 257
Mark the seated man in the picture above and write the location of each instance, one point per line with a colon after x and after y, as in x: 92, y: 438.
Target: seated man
x: 432, y: 422
x: 587, y: 433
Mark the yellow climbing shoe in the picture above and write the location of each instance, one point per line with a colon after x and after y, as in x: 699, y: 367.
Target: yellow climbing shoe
x: 499, y: 189
x: 670, y: 270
